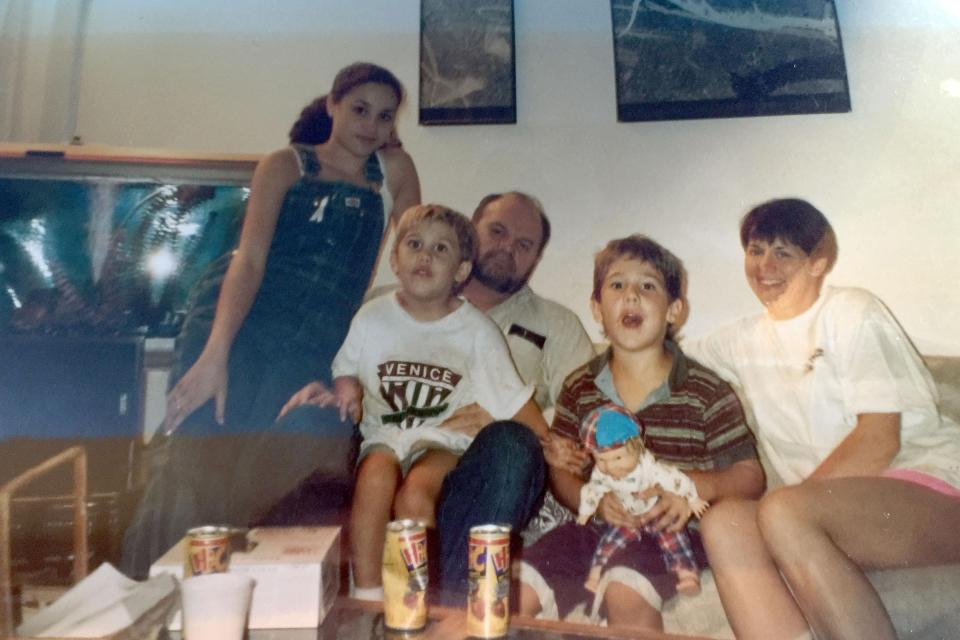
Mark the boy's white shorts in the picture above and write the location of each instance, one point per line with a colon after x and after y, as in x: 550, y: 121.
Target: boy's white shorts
x: 409, y: 444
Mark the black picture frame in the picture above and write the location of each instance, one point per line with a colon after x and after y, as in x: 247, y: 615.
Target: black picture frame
x: 467, y: 62
x: 690, y: 59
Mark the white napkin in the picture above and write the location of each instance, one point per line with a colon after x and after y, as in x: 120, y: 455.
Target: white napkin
x: 103, y: 603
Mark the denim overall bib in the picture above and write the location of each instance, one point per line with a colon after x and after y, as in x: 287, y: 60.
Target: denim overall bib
x: 326, y: 242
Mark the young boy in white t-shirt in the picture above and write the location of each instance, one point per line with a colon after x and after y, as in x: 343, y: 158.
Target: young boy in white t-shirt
x: 410, y: 360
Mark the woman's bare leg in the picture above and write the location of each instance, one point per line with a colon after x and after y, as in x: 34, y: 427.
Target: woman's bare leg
x: 757, y: 602
x: 420, y: 490
x: 627, y: 609
x: 377, y: 480
x: 821, y: 534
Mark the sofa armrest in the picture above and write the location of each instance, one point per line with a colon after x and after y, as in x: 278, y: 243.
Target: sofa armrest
x: 946, y: 375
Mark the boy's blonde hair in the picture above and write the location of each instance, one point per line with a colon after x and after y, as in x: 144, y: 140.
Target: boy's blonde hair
x: 461, y: 225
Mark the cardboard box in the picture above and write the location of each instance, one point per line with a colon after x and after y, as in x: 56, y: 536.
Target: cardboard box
x: 297, y: 573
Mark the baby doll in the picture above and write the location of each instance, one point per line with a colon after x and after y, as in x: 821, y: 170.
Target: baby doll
x: 623, y: 465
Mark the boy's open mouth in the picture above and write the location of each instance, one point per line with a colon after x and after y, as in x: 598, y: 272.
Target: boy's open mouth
x: 631, y: 320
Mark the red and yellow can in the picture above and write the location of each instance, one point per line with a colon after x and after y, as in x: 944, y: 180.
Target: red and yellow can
x: 208, y: 550
x: 488, y: 597
x: 405, y: 576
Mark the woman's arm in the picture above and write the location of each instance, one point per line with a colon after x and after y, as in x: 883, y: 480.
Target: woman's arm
x: 207, y: 378
x: 272, y: 178
x: 866, y: 451
x: 404, y: 185
x: 402, y: 180
x: 743, y: 479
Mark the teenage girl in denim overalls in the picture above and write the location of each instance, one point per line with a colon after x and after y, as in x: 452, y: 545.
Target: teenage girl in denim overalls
x: 268, y: 319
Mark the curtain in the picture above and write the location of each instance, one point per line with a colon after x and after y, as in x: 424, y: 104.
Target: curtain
x: 41, y: 47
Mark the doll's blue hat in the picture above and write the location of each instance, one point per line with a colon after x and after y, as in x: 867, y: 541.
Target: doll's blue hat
x: 608, y: 427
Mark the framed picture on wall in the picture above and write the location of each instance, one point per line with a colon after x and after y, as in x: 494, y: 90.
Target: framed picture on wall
x: 467, y: 68
x: 684, y: 59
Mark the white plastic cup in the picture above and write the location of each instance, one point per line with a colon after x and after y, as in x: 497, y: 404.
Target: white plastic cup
x: 215, y: 606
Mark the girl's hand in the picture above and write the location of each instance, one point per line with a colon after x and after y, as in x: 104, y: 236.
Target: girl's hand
x: 315, y: 393
x: 564, y: 453
x: 349, y: 397
x: 613, y: 512
x: 206, y: 379
x: 670, y: 513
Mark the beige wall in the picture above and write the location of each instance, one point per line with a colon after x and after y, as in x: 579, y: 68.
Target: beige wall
x: 231, y: 76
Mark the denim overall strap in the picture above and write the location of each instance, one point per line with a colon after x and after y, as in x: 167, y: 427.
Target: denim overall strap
x: 310, y: 164
x: 307, y: 157
x: 372, y: 171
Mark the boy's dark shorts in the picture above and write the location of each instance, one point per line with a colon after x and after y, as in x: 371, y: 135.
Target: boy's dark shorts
x: 563, y: 558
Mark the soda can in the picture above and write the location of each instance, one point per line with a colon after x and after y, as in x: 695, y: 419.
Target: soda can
x: 208, y: 550
x: 488, y: 595
x: 405, y: 576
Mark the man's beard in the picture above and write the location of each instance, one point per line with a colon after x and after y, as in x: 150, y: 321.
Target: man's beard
x: 498, y: 271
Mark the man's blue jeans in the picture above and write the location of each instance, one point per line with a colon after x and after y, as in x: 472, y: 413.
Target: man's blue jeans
x: 499, y: 479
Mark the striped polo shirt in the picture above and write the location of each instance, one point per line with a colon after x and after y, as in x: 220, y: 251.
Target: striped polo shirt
x: 694, y: 420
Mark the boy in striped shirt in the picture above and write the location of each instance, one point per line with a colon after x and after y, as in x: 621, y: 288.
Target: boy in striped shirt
x: 692, y: 420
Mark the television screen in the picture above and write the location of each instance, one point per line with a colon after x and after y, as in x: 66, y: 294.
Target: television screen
x: 97, y: 253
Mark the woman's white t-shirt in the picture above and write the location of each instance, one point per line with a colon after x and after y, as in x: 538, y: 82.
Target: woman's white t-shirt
x: 807, y: 378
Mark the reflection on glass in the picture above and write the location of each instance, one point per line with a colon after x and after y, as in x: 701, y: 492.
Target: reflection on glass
x: 102, y: 256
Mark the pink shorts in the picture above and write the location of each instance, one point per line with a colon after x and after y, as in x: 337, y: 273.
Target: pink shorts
x: 924, y: 480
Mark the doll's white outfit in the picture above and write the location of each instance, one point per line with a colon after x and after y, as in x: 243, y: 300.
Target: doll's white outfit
x: 678, y: 554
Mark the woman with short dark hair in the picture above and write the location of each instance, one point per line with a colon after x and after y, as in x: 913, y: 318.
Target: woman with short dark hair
x: 846, y: 414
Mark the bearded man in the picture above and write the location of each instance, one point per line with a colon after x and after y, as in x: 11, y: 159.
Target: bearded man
x: 500, y: 478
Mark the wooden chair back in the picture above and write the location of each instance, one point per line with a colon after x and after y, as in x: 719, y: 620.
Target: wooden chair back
x: 78, y: 457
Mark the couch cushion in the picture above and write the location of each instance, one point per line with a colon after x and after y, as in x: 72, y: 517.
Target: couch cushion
x: 922, y: 603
